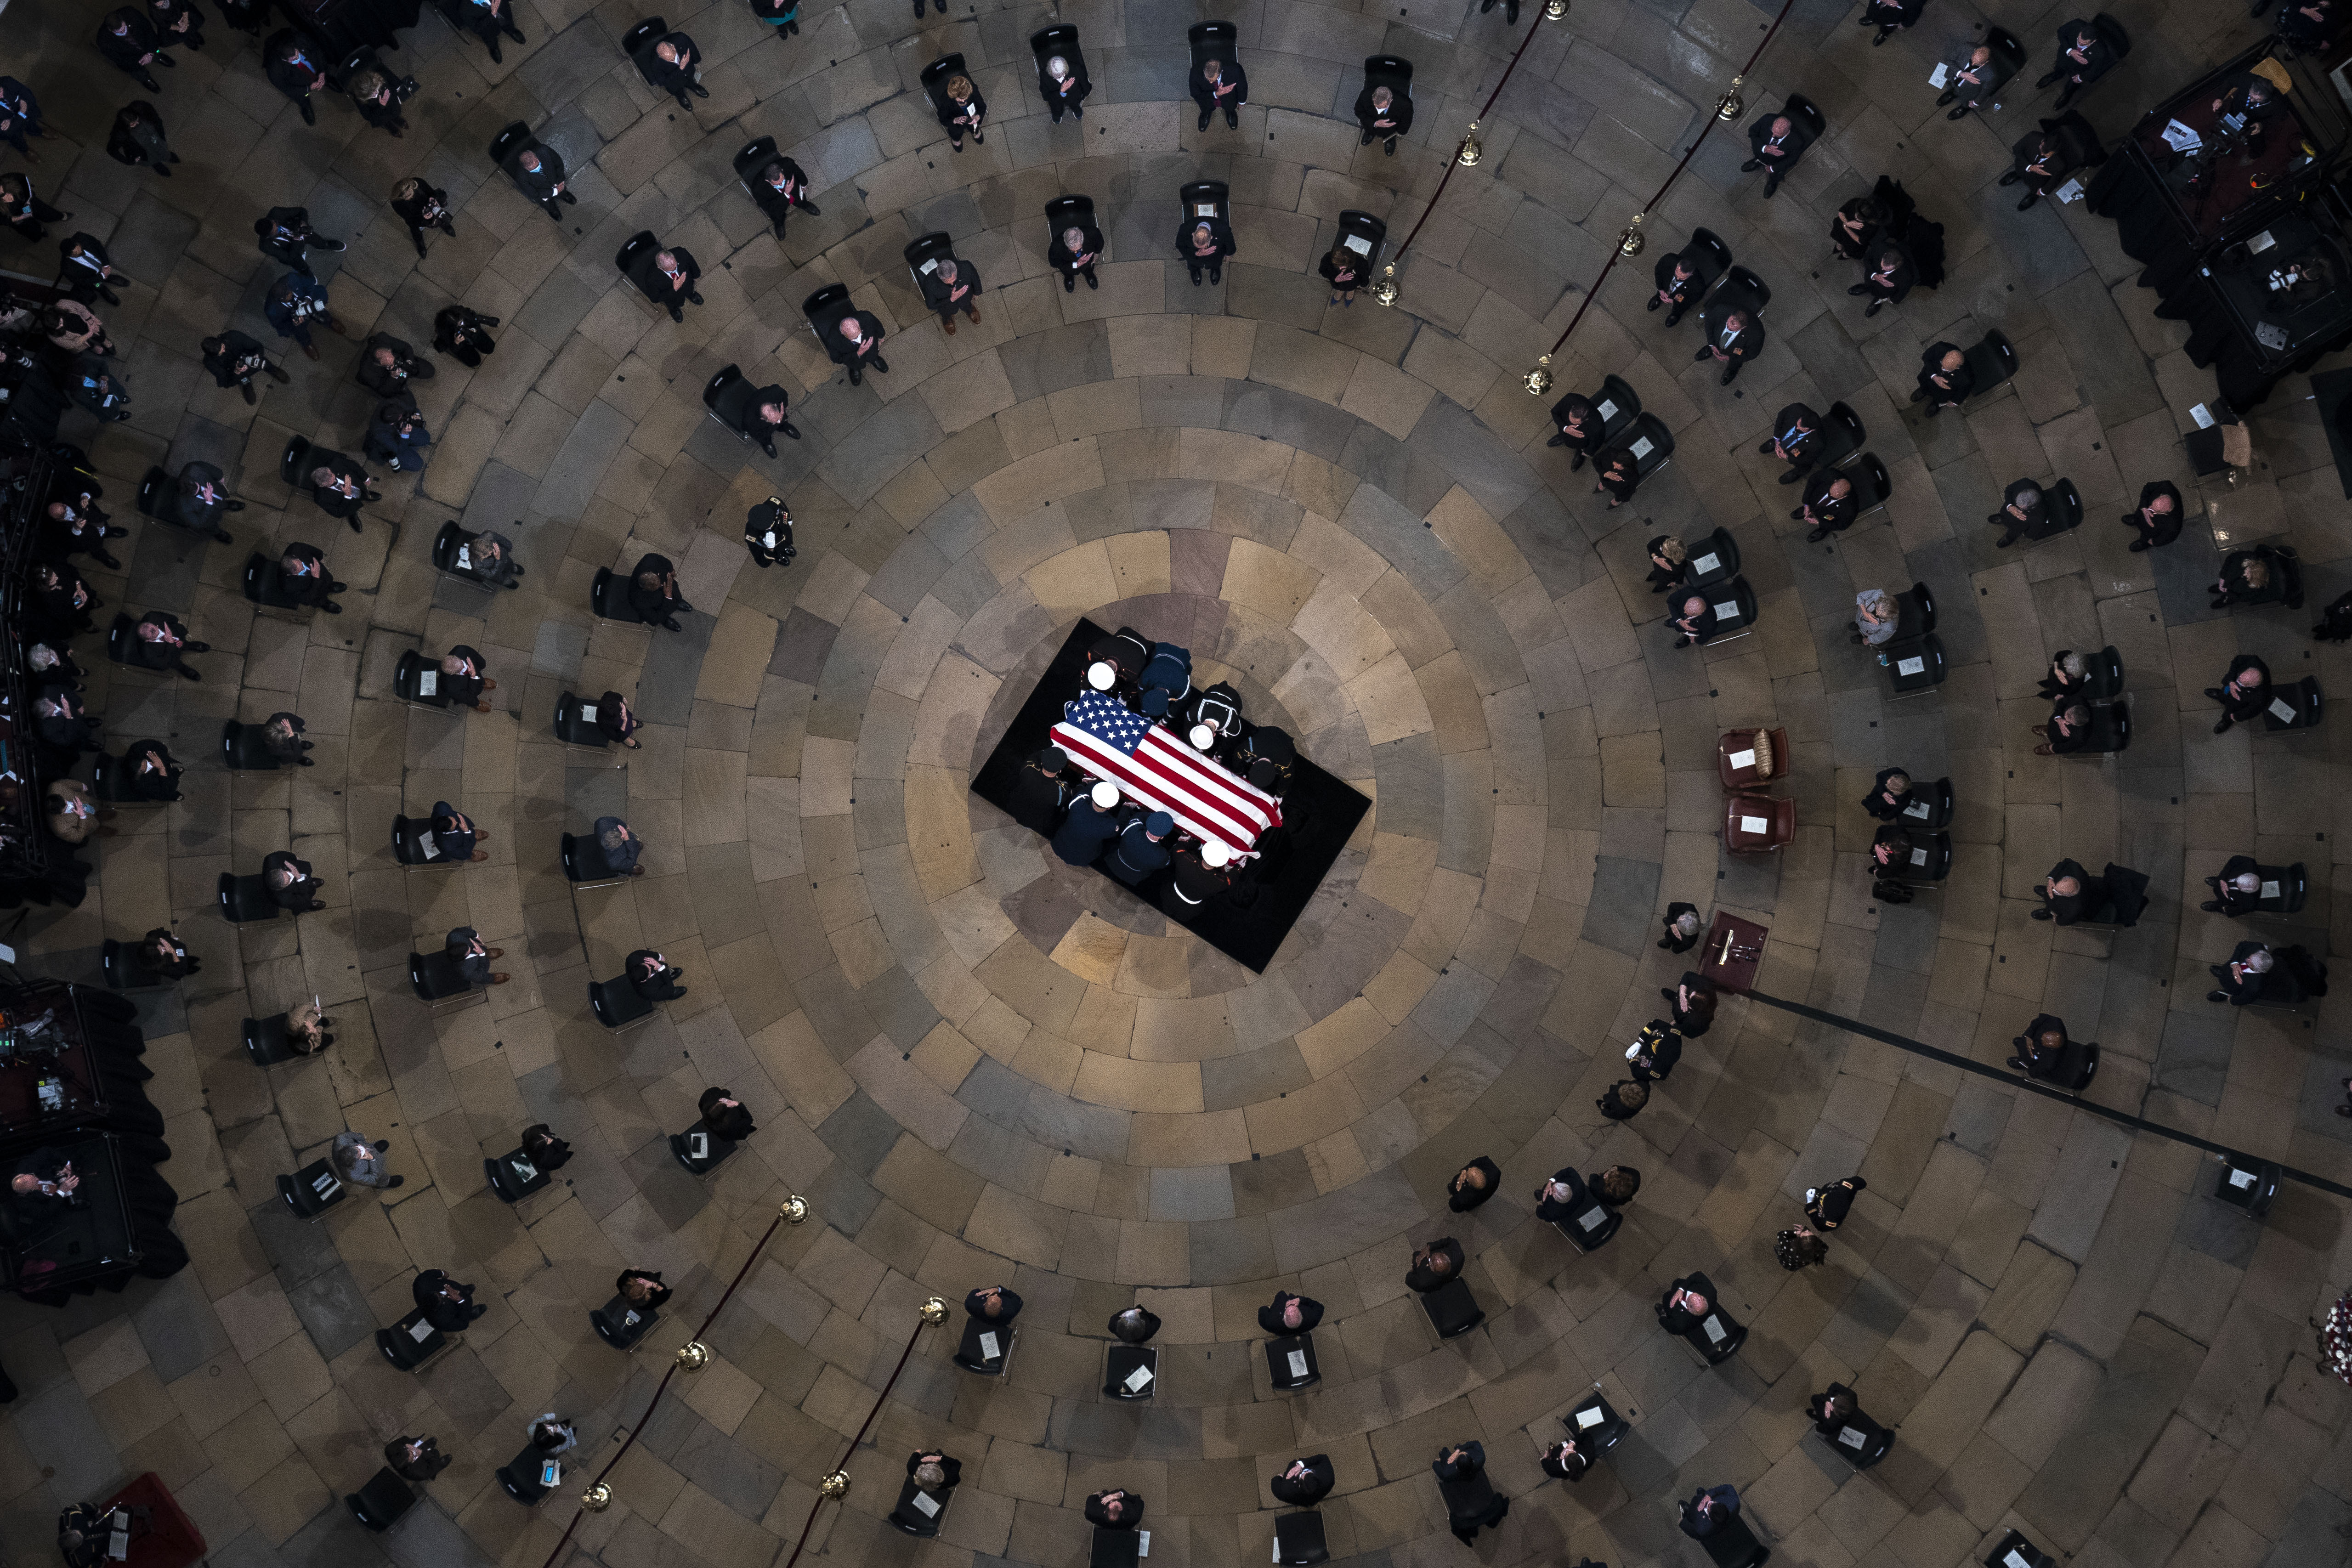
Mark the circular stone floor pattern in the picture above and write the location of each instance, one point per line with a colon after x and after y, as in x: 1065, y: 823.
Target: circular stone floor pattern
x: 982, y: 1067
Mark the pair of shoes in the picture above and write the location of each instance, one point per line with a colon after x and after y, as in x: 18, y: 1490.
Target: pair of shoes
x: 768, y: 447
x: 1335, y: 300
x: 2041, y: 729
x: 2213, y: 692
x: 2211, y: 906
x: 246, y: 388
x: 1881, y: 36
x: 672, y: 625
x: 1204, y: 119
x: 636, y: 870
x: 1935, y: 408
x: 793, y: 28
x: 2044, y: 750
x: 697, y: 90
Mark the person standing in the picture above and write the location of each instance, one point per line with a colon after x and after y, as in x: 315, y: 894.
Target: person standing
x: 780, y: 187
x: 137, y: 138
x: 667, y: 277
x: 422, y: 206
x: 952, y: 286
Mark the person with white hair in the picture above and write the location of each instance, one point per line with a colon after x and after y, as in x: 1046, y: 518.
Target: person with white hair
x: 1063, y: 83
x: 2241, y: 981
x: 1074, y: 253
x: 1289, y: 1313
x: 2238, y: 890
x: 936, y: 1474
x: 2022, y: 511
x: 1682, y: 928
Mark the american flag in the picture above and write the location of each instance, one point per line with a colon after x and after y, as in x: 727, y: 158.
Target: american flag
x: 1154, y: 768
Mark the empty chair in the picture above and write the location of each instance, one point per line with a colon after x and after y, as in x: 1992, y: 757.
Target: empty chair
x: 2247, y: 1183
x: 1873, y: 486
x: 529, y: 1476
x: 1734, y: 604
x: 575, y: 724
x: 1595, y: 1424
x: 2013, y: 1551
x: 2007, y: 48
x: 1803, y: 111
x: 2294, y: 704
x: 621, y: 1322
x: 1748, y: 756
x: 1991, y: 362
x: 1298, y: 1540
x: 2065, y: 508
x: 642, y: 37
x: 417, y: 681
x: 713, y: 389
x: 1917, y: 665
x: 1708, y: 257
x: 2127, y: 898
x: 1617, y: 405
x: 1206, y: 199
x: 1755, y: 823
x: 1453, y: 1310
x: 1842, y: 436
x: 312, y: 1190
x: 294, y: 463
x: 244, y: 899
x: 1590, y: 1227
x: 1712, y: 560
x: 1130, y: 1372
x: 608, y: 598
x: 617, y: 1004
x: 2110, y: 29
x: 118, y: 964
x: 1918, y: 606
x: 244, y: 748
x: 634, y: 249
x: 378, y: 1505
x: 1742, y: 290
x: 1290, y: 1362
x: 410, y: 1343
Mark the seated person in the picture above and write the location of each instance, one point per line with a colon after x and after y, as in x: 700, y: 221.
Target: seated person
x: 2242, y: 981
x: 199, y: 499
x: 1203, y: 244
x: 1853, y: 228
x: 447, y: 1304
x: 2238, y: 890
x: 1563, y: 1197
x: 952, y: 287
x: 1889, y: 279
x: 2247, y: 578
x: 396, y: 437
x: 152, y: 772
x: 2157, y: 521
x: 1578, y: 428
x: 2305, y: 23
x: 1877, y: 616
x: 454, y: 835
x: 991, y: 1303
x: 72, y: 813
x: 2246, y: 106
x: 756, y: 412
x: 488, y: 558
x: 1778, y: 141
x: 1681, y: 927
x: 159, y: 642
x: 464, y: 677
x: 2069, y: 676
x: 340, y: 487
x: 2069, y: 729
x: 1828, y: 506
x: 619, y: 845
x: 672, y: 64
x: 1708, y: 1510
x: 2041, y: 1044
x: 779, y: 187
x: 1669, y: 562
x: 2024, y: 511
x: 2083, y: 56
x: 1074, y: 253
x: 641, y: 1288
x: 653, y: 591
x: 857, y: 342
x: 1684, y: 1307
x: 724, y: 1115
x: 305, y: 1028
x: 164, y: 955
x: 617, y: 721
x: 2038, y: 160
x: 934, y: 1473
x: 1436, y: 1264
x: 2243, y: 693
x: 1220, y: 84
x: 1695, y: 621
x: 1114, y: 1509
x: 1305, y: 1481
x: 1976, y: 80
x: 43, y: 1189
x: 652, y: 977
x: 1135, y: 1325
x: 290, y: 882
x: 1384, y: 116
x: 1473, y: 1184
x: 1889, y: 795
x: 363, y: 1164
x: 1289, y: 1313
x: 1945, y: 379
x: 464, y: 947
x: 1679, y: 285
x: 1795, y: 439
x: 667, y: 277
x: 1732, y: 340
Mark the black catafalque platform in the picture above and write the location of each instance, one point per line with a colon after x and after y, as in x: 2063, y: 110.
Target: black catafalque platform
x: 1246, y: 923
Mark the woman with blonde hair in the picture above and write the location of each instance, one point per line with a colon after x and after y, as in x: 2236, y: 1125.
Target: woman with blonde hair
x: 1669, y: 562
x: 372, y: 94
x: 960, y: 110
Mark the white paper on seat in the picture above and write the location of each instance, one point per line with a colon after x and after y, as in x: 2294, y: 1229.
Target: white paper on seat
x: 1606, y: 409
x: 428, y: 682
x: 420, y: 1331
x: 1592, y: 1218
x: 1743, y: 758
x: 2202, y: 416
x: 1297, y: 1363
x: 325, y: 1184
x: 1135, y: 1380
x: 2238, y: 1178
x: 464, y: 558
x: 2280, y: 711
x: 1706, y: 562
x: 1913, y: 665
x: 988, y: 1350
x: 1642, y: 447
x: 587, y: 712
x: 1753, y: 824
x: 700, y: 1144
x: 929, y: 267
x: 1204, y: 209
x: 118, y: 1545
x: 2071, y: 191
x: 430, y: 844
x: 1851, y: 1437
x: 1918, y: 857
x: 1359, y: 244
x: 2270, y: 890
x: 1588, y: 1418
x: 1940, y: 76
x: 1714, y: 1328
x: 928, y: 1503
x: 2261, y: 241
x: 630, y: 1319
x: 2015, y: 1559
x: 524, y: 1170
x: 1143, y: 1544
x: 1917, y: 808
x: 1728, y: 611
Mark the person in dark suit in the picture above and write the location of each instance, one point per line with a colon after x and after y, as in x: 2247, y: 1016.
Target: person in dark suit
x: 1777, y: 142
x: 674, y: 65
x: 2069, y: 894
x: 2024, y: 511
x: 768, y: 533
x: 1473, y: 1184
x: 302, y: 575
x: 2039, y: 1046
x: 2040, y: 162
x: 1383, y: 115
x: 640, y: 1288
x: 60, y: 600
x: 165, y: 957
x: 2157, y: 521
x: 1438, y: 1263
x: 2238, y: 890
x: 1707, y: 1509
x: 1565, y: 1461
x: 652, y: 977
x: 89, y: 385
x: 378, y: 95
x: 1114, y: 1509
x: 63, y: 721
x: 387, y: 366
x: 1795, y: 439
x: 465, y: 676
x: 285, y: 234
x: 341, y: 488
x: 446, y: 1304
x: 454, y: 835
x: 22, y: 209
x: 1831, y: 1410
x: 151, y: 773
x: 666, y: 275
x: 2303, y: 24
x: 2083, y: 56
x: 485, y: 19
x: 538, y: 169
x: 131, y: 46
x: 1479, y: 1508
x: 1305, y: 1481
x: 1693, y: 622
x: 1563, y: 1197
x: 542, y: 1148
x: 1889, y: 280
x: 952, y: 287
x: 1617, y: 474
x: 2242, y: 980
x: 1064, y: 84
x: 724, y: 1115
x: 1732, y: 340
x: 1289, y: 1313
x: 653, y: 591
x: 396, y: 436
x: 1687, y: 1302
x: 2243, y: 693
x: 422, y: 205
x: 2069, y: 675
x: 290, y: 882
x: 1669, y: 562
x: 2252, y: 101
x: 86, y: 271
x: 2069, y: 729
x: 991, y: 1303
x: 1828, y: 506
x: 20, y: 118
x: 2246, y: 578
x: 1853, y: 227
x: 1221, y: 85
x: 617, y: 720
x: 1684, y: 928
x: 1693, y: 1001
x: 235, y: 358
x: 1578, y: 427
x: 1886, y: 16
x: 1976, y: 80
x: 935, y: 1473
x: 68, y: 530
x: 1091, y: 825
x: 1073, y: 252
x: 414, y: 1458
x: 960, y: 110
x: 1042, y: 785
x: 1343, y: 269
x: 755, y: 410
x: 461, y: 334
x: 1204, y: 243
x: 1135, y: 1325
x: 1890, y: 793
x: 1827, y: 1206
x: 1945, y: 379
x: 295, y: 304
x: 857, y: 342
x: 296, y: 67
x: 1679, y: 285
x: 160, y: 639
x: 779, y: 187
x: 464, y: 947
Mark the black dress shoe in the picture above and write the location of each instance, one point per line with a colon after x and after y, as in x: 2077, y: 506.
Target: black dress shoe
x: 2224, y: 728
x: 2011, y: 178
x: 1859, y: 288
x: 1557, y: 441
x: 1960, y: 113
x: 2136, y: 546
x: 2210, y: 907
x: 1792, y: 476
x: 2019, y: 1063
x: 698, y: 89
x: 2213, y: 693
x: 2046, y: 80
x: 1751, y: 165
x: 1949, y: 93
x: 1653, y: 304
x: 2216, y: 996
x: 2028, y: 200
x: 1576, y: 463
x: 791, y: 430
x: 1817, y: 536
x: 1697, y: 357
x: 2004, y: 541
x: 1876, y: 307
x: 2042, y: 914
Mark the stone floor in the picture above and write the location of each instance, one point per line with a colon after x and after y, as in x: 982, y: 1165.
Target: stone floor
x: 1351, y: 514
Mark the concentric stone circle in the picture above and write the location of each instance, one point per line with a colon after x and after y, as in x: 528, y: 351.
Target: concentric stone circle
x: 981, y: 1066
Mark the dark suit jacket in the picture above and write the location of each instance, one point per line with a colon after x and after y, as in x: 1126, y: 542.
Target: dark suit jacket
x: 2251, y: 704
x: 1681, y: 944
x: 390, y: 384
x: 304, y: 889
x: 2037, y: 517
x: 1010, y: 1311
x: 738, y: 405
x: 443, y: 1313
x: 2098, y: 59
x: 731, y: 1121
x: 125, y: 51
x: 1400, y: 113
x: 1679, y: 1319
x: 1463, y: 1198
x: 1830, y: 1204
x: 456, y: 842
x: 935, y: 292
x: 1668, y: 1051
x: 673, y: 79
x: 1140, y: 1335
x: 1130, y: 1511
x: 1745, y: 344
x: 1553, y: 1212
x: 871, y: 344
x: 539, y: 185
x: 1801, y: 448
x: 234, y: 346
x: 1229, y: 75
x: 654, y: 286
x: 1425, y: 1279
x: 1876, y: 806
x: 1931, y: 365
x: 475, y: 967
x: 1310, y: 1312
x: 775, y: 204
x: 1895, y: 288
x: 1063, y: 260
x: 653, y: 603
x: 1569, y: 1466
x: 1793, y: 145
x: 1683, y: 292
x: 1309, y: 1489
x: 1834, y: 512
x: 2168, y: 528
x: 2028, y: 1044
